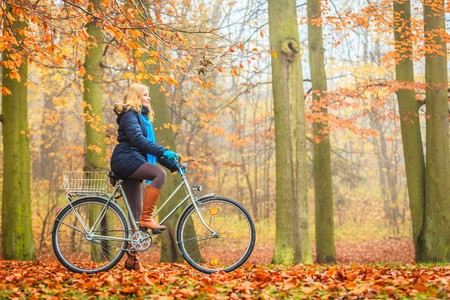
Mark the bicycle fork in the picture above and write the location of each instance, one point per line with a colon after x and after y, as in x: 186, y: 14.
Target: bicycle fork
x: 194, y: 202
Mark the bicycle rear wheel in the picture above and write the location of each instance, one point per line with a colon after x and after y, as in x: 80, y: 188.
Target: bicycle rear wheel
x: 80, y: 252
x: 228, y: 247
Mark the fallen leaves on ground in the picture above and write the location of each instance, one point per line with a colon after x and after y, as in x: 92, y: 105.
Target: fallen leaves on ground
x: 386, y: 250
x: 48, y: 279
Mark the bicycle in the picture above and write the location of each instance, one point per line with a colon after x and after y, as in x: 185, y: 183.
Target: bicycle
x: 92, y: 232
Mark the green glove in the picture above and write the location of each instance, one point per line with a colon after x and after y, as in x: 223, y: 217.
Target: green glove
x: 170, y: 155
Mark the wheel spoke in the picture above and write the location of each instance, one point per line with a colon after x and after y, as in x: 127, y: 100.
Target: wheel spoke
x: 73, y: 227
x: 227, y: 251
x: 80, y: 253
x: 197, y: 239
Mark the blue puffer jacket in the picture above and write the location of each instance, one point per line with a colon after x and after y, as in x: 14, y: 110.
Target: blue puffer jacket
x: 133, y: 146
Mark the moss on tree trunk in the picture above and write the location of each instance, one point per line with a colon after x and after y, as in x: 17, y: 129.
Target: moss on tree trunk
x: 92, y: 96
x: 17, y: 235
x: 93, y: 119
x: 435, y: 233
x: 323, y: 188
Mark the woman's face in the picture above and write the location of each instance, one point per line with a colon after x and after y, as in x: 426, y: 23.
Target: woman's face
x: 145, y: 101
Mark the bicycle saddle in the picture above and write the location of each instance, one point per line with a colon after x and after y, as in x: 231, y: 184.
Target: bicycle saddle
x: 113, y: 177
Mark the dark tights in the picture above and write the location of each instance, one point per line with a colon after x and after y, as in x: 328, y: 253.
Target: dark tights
x: 133, y: 186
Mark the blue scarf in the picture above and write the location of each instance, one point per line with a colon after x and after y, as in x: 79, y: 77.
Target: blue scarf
x: 150, y: 132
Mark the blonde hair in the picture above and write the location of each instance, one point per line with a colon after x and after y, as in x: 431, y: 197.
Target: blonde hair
x: 133, y: 100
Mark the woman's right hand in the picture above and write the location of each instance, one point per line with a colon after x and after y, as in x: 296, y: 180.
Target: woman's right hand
x: 170, y: 155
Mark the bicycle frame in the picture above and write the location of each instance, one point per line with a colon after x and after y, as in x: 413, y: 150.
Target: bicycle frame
x: 119, y: 189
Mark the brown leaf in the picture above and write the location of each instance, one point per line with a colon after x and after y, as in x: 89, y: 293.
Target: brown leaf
x: 129, y: 290
x: 389, y: 289
x: 420, y: 287
x: 88, y: 285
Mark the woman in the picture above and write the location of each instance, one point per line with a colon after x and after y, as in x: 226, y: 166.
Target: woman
x: 134, y: 159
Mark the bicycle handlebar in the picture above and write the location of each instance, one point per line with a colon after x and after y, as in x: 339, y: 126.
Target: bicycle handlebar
x: 182, y: 166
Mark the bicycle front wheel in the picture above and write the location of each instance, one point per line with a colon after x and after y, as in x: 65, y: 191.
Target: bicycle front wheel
x: 82, y: 248
x: 228, y: 246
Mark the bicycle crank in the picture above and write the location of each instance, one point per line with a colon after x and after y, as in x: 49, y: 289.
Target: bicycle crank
x: 141, y: 241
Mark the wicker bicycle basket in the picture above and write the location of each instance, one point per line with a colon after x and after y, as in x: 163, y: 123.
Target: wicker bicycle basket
x: 85, y: 181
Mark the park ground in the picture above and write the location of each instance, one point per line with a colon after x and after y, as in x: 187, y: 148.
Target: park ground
x: 377, y: 269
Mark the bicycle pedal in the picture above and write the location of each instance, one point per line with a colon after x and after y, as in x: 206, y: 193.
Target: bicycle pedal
x: 143, y: 229
x: 157, y: 231
x: 154, y: 231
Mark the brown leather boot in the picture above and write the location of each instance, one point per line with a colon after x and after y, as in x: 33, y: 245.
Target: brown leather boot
x: 150, y: 197
x: 132, y: 262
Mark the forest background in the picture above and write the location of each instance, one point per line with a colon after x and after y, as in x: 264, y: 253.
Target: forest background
x: 210, y: 62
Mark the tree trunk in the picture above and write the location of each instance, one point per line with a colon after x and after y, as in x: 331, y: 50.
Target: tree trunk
x: 409, y: 121
x: 46, y: 166
x: 93, y: 118
x: 387, y: 172
x: 293, y: 243
x: 17, y: 234
x: 253, y: 203
x: 435, y: 233
x: 255, y: 197
x: 323, y: 188
x: 165, y: 137
x: 92, y: 96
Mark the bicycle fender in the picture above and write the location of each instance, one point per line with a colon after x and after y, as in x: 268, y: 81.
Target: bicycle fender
x: 91, y: 196
x: 210, y: 195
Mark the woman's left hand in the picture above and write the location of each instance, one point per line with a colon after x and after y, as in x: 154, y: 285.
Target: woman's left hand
x: 170, y: 155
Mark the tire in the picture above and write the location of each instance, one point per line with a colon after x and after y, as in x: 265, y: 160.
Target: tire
x: 225, y: 252
x: 75, y: 251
